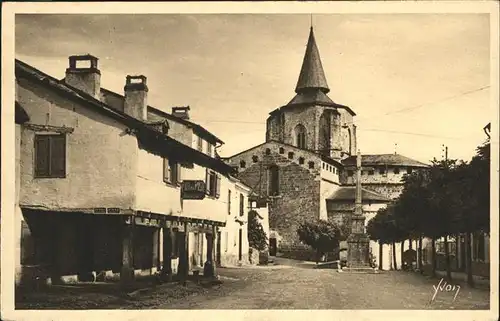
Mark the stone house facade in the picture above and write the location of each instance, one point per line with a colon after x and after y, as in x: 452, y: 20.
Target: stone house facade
x: 101, y: 185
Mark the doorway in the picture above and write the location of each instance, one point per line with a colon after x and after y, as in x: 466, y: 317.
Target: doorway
x: 272, y: 246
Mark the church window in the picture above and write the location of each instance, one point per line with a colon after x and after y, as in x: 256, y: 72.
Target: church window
x: 396, y: 170
x: 255, y: 158
x: 282, y: 150
x: 409, y: 170
x: 300, y: 136
x: 242, y: 164
x: 301, y: 160
x: 324, y: 165
x: 371, y: 172
x: 290, y: 155
x: 268, y: 151
x: 311, y: 165
x: 381, y: 171
x: 274, y: 180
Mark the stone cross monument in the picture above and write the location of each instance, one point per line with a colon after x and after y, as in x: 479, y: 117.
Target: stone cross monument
x: 358, y: 241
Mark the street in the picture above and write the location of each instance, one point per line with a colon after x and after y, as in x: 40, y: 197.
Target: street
x: 299, y: 286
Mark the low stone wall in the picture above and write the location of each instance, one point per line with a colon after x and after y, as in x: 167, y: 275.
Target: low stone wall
x: 228, y: 260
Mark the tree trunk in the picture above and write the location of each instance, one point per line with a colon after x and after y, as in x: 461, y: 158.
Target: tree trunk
x: 420, y: 265
x: 468, y: 259
x: 457, y: 244
x: 402, y: 254
x: 380, y: 251
x: 410, y: 246
x: 394, y: 256
x: 433, y: 257
x: 447, y: 257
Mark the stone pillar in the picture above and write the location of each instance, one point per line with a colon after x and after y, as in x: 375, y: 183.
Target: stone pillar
x: 184, y: 254
x: 127, y: 271
x: 155, y: 254
x: 358, y: 242
x: 209, y: 269
x: 167, y: 253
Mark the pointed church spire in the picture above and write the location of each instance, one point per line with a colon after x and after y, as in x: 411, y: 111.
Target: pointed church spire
x: 312, y: 75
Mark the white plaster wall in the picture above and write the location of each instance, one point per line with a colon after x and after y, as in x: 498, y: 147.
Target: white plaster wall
x: 326, y: 190
x: 209, y: 208
x: 101, y: 157
x: 152, y: 193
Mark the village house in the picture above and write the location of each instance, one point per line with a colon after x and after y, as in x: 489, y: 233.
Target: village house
x: 108, y: 189
x: 305, y: 167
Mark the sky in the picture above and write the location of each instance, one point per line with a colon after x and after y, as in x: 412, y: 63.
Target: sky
x: 416, y: 81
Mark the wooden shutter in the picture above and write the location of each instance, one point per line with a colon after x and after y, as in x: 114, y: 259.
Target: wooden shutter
x: 42, y: 152
x: 58, y: 156
x: 166, y: 169
x: 179, y: 172
x: 207, y: 182
x: 217, y: 186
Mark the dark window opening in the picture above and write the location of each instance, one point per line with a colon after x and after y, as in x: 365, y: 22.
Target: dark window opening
x: 409, y: 170
x: 371, y: 172
x: 301, y: 160
x: 242, y: 204
x: 396, y: 170
x: 290, y: 155
x: 229, y: 202
x: 50, y: 156
x: 311, y: 165
x: 242, y: 164
x: 382, y: 171
x: 274, y: 180
x: 171, y: 171
x: 282, y: 150
x: 268, y: 151
x: 255, y: 158
x: 350, y: 173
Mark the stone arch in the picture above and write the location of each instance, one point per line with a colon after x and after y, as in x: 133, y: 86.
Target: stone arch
x: 300, y: 136
x: 325, y: 133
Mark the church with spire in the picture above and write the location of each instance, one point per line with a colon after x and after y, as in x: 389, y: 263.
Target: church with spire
x: 305, y: 169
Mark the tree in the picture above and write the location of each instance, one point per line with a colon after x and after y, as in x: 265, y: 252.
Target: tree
x: 323, y: 236
x: 257, y: 237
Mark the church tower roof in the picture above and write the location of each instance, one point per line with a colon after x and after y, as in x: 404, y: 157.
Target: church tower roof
x: 312, y: 75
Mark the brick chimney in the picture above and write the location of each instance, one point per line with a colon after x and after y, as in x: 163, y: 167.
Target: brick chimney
x: 86, y: 76
x: 181, y: 112
x: 136, y: 97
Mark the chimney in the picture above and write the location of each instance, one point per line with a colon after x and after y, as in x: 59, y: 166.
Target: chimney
x: 136, y: 97
x: 86, y: 77
x: 181, y: 112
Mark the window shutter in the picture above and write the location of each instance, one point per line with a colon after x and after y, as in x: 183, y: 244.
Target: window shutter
x: 179, y: 173
x: 207, y: 182
x: 166, y: 166
x: 217, y: 187
x: 58, y: 156
x: 42, y: 146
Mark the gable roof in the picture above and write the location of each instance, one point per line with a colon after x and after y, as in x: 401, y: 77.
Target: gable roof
x: 312, y: 153
x: 154, y: 138
x: 384, y: 160
x: 348, y: 193
x: 198, y: 129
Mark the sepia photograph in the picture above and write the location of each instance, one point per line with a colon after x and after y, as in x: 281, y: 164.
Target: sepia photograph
x: 301, y: 160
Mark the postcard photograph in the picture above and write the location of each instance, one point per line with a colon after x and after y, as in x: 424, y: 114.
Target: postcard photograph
x: 251, y: 161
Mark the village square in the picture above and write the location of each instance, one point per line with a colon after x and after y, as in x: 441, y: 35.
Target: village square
x: 124, y: 199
